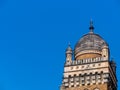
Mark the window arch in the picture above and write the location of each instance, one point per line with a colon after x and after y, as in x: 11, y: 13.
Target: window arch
x: 96, y: 89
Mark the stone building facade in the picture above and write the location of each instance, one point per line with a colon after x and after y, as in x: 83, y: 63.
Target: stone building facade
x: 88, y: 66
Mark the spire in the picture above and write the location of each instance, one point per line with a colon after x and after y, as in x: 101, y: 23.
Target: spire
x: 69, y: 45
x: 69, y: 53
x: 91, y: 26
x: 69, y: 49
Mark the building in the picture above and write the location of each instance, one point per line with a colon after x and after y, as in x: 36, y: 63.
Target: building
x: 88, y: 66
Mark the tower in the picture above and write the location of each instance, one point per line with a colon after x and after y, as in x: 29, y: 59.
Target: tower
x: 91, y: 67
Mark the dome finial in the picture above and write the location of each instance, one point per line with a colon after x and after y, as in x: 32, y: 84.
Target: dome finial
x: 69, y: 49
x: 91, y: 26
x: 69, y: 45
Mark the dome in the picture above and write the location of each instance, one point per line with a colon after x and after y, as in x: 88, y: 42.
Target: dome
x: 69, y: 50
x: 90, y: 44
x: 90, y: 41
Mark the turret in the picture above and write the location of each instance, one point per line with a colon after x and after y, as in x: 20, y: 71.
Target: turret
x: 90, y: 68
x: 69, y: 54
x: 105, y: 52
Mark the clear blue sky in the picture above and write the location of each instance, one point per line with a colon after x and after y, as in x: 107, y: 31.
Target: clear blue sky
x: 34, y: 35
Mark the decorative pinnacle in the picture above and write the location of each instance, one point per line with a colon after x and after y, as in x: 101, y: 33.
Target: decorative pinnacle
x: 69, y: 49
x: 91, y: 26
x: 69, y: 45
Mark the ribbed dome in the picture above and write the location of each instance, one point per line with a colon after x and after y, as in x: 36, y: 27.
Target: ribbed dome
x: 90, y: 45
x: 90, y: 41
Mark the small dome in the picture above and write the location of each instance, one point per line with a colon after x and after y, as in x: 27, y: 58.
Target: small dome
x: 90, y: 41
x: 90, y: 45
x: 69, y: 49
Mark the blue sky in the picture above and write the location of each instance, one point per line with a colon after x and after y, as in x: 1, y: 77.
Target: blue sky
x: 34, y: 35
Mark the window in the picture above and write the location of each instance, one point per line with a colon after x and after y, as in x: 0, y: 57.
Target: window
x: 88, y: 79
x: 96, y: 89
x: 98, y: 78
x: 93, y: 79
x: 82, y: 80
x: 76, y: 78
x: 66, y: 84
x: 65, y: 80
x: 71, y: 79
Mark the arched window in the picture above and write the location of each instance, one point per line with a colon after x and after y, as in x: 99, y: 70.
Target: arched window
x: 96, y: 89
